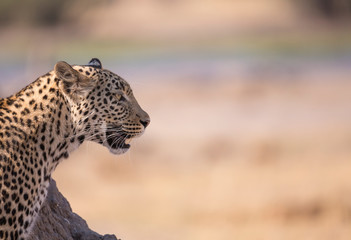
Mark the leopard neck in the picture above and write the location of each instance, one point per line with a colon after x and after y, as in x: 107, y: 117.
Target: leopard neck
x: 40, y: 122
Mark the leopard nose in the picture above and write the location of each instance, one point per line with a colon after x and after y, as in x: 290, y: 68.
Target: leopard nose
x: 145, y: 122
x: 144, y: 118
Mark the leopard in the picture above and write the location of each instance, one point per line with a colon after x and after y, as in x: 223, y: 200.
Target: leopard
x: 47, y: 120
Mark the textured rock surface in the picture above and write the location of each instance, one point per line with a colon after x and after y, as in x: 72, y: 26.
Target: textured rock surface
x: 57, y: 221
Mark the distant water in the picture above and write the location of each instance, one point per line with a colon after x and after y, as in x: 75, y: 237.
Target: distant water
x: 195, y: 67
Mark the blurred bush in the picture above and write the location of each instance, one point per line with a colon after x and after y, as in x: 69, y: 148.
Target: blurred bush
x: 328, y: 9
x: 43, y: 13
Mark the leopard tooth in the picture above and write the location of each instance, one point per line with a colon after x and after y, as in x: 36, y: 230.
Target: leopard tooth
x: 128, y: 141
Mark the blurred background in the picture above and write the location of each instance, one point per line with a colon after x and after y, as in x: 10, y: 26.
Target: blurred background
x: 250, y: 134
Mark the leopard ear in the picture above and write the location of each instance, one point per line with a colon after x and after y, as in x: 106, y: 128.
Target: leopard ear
x: 95, y: 62
x: 65, y: 72
x: 73, y: 84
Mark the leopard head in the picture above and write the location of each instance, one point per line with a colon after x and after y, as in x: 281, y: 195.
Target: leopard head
x: 102, y: 105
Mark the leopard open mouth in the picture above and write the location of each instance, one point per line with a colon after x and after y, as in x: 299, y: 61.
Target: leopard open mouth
x: 117, y: 140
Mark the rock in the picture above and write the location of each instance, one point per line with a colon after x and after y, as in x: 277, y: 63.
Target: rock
x: 56, y: 221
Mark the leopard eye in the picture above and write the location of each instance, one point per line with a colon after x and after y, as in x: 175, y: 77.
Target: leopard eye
x: 120, y: 97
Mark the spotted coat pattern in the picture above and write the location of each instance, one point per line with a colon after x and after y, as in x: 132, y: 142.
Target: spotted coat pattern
x: 51, y: 117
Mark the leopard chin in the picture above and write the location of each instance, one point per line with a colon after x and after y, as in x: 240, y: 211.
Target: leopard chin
x: 118, y: 151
